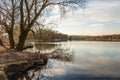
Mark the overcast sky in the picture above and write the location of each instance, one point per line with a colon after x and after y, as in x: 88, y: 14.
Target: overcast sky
x: 101, y: 17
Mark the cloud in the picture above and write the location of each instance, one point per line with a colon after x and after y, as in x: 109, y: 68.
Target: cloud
x: 104, y: 11
x: 96, y: 26
x: 100, y: 17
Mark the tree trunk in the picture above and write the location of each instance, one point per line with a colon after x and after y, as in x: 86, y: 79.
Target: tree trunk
x: 21, y: 42
x: 11, y: 39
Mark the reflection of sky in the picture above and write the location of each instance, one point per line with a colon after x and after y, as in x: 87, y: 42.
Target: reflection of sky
x: 91, y: 58
x: 92, y: 61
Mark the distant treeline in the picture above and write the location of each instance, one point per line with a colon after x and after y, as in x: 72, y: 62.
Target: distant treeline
x: 55, y: 36
x: 47, y: 35
x: 96, y: 38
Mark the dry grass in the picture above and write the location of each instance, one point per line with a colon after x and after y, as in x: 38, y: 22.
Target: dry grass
x: 3, y: 49
x: 11, y: 56
x: 8, y: 56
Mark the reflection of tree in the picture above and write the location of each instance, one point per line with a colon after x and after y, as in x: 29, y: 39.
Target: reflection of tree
x: 46, y: 46
x: 27, y: 76
x: 30, y: 75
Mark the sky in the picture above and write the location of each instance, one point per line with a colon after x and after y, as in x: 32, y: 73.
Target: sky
x: 100, y: 17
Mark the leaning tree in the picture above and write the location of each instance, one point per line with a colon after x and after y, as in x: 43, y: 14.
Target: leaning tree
x: 27, y: 14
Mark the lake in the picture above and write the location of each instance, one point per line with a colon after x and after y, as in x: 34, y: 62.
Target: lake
x: 90, y: 61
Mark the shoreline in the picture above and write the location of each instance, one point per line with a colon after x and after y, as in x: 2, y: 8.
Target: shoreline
x: 16, y: 62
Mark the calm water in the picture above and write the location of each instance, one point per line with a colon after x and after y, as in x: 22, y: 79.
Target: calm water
x: 91, y: 61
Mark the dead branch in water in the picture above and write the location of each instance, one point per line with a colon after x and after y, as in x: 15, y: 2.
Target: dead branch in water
x: 27, y: 47
x: 60, y: 54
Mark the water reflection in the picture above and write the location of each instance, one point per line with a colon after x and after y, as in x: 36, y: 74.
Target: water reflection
x: 34, y: 74
x: 46, y: 46
x: 43, y: 47
x: 91, y: 61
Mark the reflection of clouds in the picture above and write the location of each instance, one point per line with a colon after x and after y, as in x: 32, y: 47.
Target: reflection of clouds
x: 54, y: 68
x: 99, y: 64
x: 58, y: 68
x: 95, y: 48
x: 91, y: 58
x: 55, y: 72
x: 96, y: 57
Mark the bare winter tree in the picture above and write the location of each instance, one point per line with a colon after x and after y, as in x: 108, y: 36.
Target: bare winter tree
x: 26, y: 14
x: 8, y: 15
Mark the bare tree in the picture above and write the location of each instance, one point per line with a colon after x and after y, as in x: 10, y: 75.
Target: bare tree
x: 26, y: 14
x: 8, y: 14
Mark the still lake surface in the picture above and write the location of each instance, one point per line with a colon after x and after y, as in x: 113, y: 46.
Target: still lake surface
x: 91, y: 61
